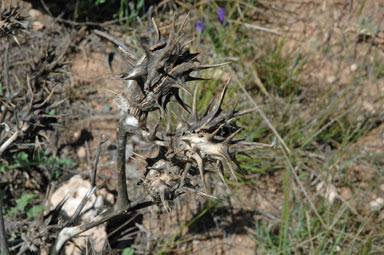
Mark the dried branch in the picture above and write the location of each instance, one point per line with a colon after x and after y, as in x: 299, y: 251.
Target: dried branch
x: 3, y: 237
x: 70, y: 232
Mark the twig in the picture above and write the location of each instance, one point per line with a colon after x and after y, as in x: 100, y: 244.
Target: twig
x: 3, y: 237
x: 5, y: 71
x: 112, y: 39
x: 82, y: 204
x: 90, y: 191
x: 94, y: 171
x: 256, y: 27
x: 46, y: 8
x: 10, y: 140
x: 124, y: 224
x: 70, y: 232
x: 263, y: 115
x: 303, y: 189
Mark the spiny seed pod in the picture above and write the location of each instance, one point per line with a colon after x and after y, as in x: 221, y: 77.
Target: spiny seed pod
x: 195, y: 143
x: 164, y: 68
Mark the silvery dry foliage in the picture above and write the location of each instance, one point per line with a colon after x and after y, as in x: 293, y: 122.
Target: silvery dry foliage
x: 197, y: 142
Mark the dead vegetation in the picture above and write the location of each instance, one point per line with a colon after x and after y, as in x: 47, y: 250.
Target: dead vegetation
x: 306, y: 72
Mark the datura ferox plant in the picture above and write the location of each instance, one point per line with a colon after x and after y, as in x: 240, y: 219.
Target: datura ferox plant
x: 202, y: 140
x: 156, y: 77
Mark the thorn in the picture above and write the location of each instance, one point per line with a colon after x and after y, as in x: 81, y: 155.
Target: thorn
x: 17, y: 41
x: 190, y: 190
x: 142, y: 46
x: 191, y: 78
x: 220, y: 171
x: 234, y: 107
x: 229, y: 163
x: 129, y: 54
x: 183, y: 24
x: 181, y: 103
x: 185, y: 43
x: 157, y: 32
x: 222, y: 95
x: 200, y: 165
x: 211, y: 136
x: 201, y: 67
x: 244, y: 112
x: 229, y: 138
x: 184, y: 88
x: 195, y: 114
x: 245, y: 154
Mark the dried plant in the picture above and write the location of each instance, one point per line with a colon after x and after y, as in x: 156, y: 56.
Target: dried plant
x: 198, y: 142
x: 11, y: 23
x: 154, y: 79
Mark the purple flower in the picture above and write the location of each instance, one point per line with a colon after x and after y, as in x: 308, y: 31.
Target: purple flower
x: 221, y: 13
x: 200, y: 26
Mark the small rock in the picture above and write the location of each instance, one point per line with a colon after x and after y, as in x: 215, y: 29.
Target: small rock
x: 353, y: 67
x: 331, y: 194
x: 75, y: 189
x: 331, y: 79
x: 377, y: 204
x: 328, y: 191
x: 37, y: 26
x: 346, y: 193
x: 76, y: 135
x: 81, y: 153
x: 35, y: 14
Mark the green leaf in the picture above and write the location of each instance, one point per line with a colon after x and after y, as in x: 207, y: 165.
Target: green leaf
x: 12, y: 212
x: 34, y: 211
x: 24, y: 200
x: 128, y: 251
x: 3, y: 167
x: 140, y: 4
x: 66, y: 162
x: 52, y: 112
x: 98, y: 2
x: 21, y: 160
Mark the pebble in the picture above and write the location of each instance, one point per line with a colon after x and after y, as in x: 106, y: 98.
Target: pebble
x: 377, y: 204
x: 81, y: 153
